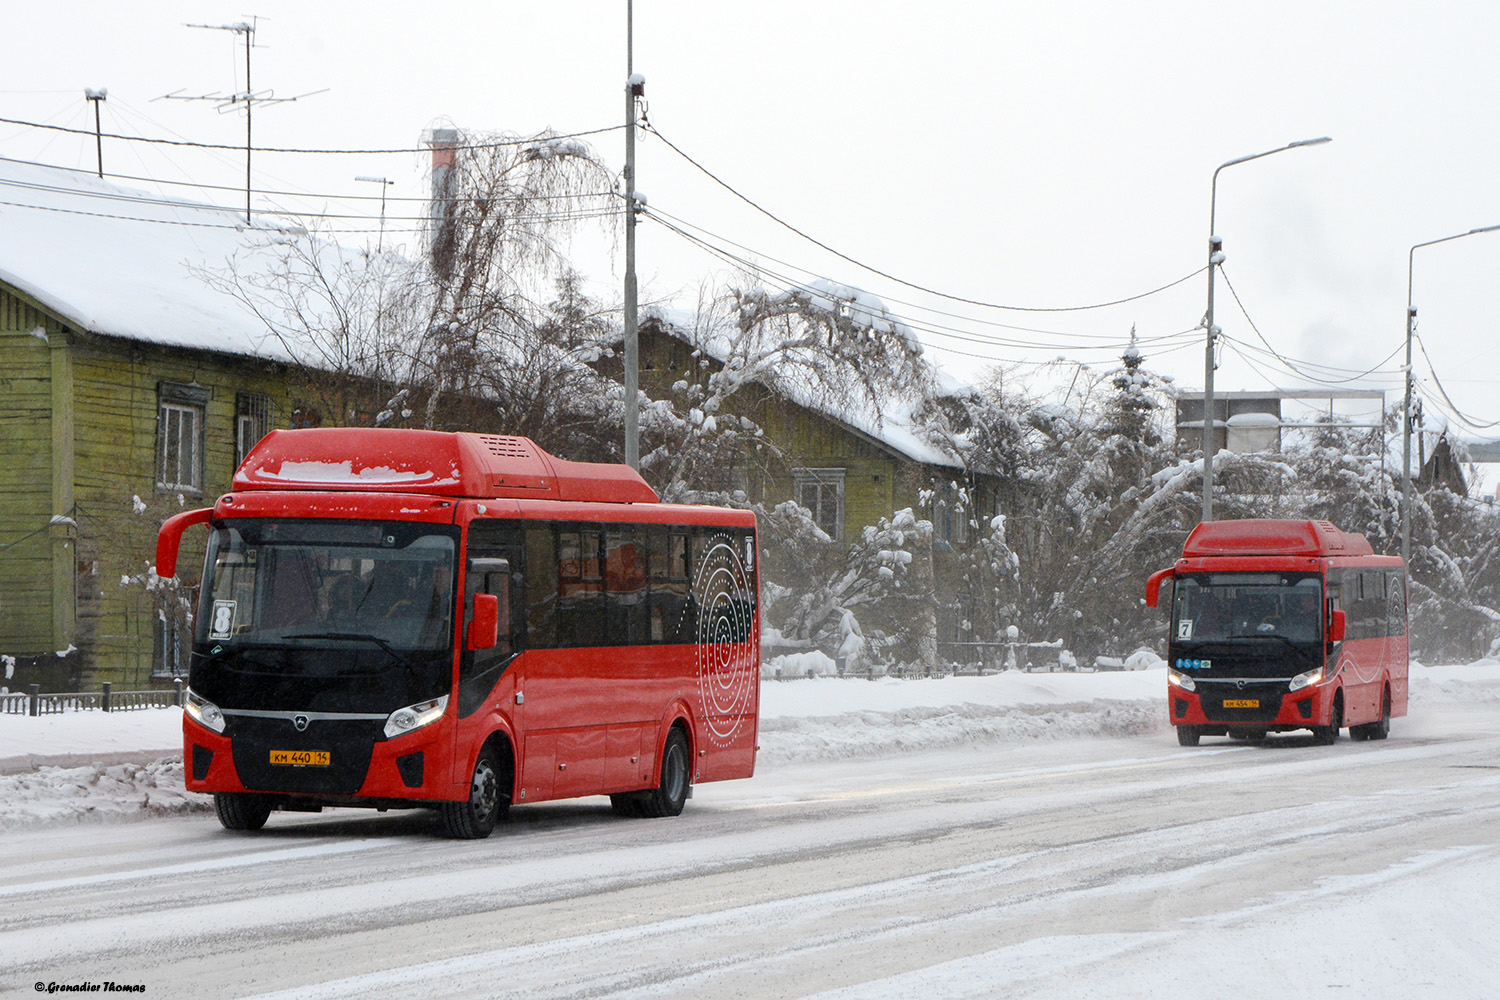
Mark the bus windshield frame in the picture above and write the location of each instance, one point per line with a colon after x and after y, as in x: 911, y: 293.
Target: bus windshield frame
x: 276, y: 583
x: 1244, y: 606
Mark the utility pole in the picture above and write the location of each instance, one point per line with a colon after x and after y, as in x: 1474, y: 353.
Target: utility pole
x: 1215, y: 258
x: 635, y: 86
x: 97, y: 96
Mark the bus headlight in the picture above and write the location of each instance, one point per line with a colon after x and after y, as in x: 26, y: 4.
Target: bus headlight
x: 1180, y: 680
x: 203, y: 711
x: 414, y: 717
x: 1307, y: 679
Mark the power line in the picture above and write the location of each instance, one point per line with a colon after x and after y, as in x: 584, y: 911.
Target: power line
x: 786, y: 283
x: 1474, y: 422
x: 557, y: 217
x: 891, y: 277
x: 658, y: 214
x: 269, y: 192
x: 1286, y: 361
x: 496, y: 144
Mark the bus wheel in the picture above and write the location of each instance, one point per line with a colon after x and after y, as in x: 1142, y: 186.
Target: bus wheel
x: 668, y: 798
x: 1381, y: 727
x: 625, y: 804
x: 1188, y: 736
x: 242, y: 810
x: 474, y: 818
x: 1328, y: 735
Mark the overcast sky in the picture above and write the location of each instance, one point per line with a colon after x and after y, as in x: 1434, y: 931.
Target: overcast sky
x: 1045, y: 155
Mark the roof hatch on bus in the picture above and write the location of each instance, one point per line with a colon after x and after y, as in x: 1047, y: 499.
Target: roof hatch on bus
x: 1273, y: 537
x: 435, y: 463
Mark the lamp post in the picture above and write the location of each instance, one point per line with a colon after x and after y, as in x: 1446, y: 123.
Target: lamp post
x: 1411, y: 320
x: 1215, y: 258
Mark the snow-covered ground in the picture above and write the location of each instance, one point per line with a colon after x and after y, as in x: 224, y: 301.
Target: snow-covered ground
x: 802, y: 720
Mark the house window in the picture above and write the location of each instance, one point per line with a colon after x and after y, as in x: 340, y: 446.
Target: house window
x: 822, y: 492
x: 179, y: 436
x: 252, y: 421
x: 951, y: 514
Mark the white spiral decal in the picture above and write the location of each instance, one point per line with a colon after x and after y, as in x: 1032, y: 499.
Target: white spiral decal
x: 724, y: 592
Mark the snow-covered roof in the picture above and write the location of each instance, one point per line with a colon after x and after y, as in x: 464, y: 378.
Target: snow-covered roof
x: 119, y: 261
x: 895, y: 427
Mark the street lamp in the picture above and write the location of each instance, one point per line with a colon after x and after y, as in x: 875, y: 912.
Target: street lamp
x: 1215, y: 258
x: 1411, y: 319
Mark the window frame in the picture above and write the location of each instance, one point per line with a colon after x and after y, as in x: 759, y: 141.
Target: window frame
x: 182, y: 404
x: 821, y: 480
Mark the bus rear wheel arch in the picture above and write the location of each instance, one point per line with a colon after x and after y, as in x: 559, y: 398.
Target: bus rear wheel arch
x: 674, y: 784
x: 1381, y: 727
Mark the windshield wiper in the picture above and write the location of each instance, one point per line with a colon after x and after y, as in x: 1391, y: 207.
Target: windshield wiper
x: 357, y: 637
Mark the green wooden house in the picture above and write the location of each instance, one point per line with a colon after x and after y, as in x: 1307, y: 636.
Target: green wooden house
x: 848, y: 470
x: 129, y: 389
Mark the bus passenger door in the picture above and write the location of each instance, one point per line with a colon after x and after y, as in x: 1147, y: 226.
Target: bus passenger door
x: 489, y: 680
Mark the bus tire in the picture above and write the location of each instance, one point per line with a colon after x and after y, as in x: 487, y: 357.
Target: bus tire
x: 625, y: 803
x: 1327, y: 736
x: 244, y: 811
x: 1381, y: 727
x: 1188, y: 736
x: 475, y: 817
x: 669, y: 796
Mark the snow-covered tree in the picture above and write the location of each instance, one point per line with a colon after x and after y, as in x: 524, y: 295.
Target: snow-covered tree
x: 830, y: 346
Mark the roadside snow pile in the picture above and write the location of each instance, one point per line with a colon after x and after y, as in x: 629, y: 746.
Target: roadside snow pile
x: 813, y: 663
x: 822, y: 718
x: 97, y: 793
x: 912, y: 730
x: 1472, y: 683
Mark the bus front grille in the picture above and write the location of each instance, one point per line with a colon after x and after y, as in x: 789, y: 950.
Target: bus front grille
x: 349, y: 745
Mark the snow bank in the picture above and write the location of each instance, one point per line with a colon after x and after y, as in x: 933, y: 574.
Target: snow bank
x: 97, y: 793
x: 810, y: 719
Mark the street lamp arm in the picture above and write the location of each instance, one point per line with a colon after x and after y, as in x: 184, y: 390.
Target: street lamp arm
x: 1411, y: 315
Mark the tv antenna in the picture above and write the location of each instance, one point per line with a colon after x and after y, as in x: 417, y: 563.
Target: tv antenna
x: 247, y: 98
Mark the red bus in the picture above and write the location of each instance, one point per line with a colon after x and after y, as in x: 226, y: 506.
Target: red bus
x: 1283, y: 625
x: 398, y: 618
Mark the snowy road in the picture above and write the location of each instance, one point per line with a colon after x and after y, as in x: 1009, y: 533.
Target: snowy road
x: 1100, y: 867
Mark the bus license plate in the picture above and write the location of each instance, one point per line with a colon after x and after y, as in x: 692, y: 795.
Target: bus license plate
x: 1242, y: 703
x: 301, y: 758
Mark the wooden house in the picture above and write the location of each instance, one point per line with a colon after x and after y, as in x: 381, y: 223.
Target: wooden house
x: 129, y: 389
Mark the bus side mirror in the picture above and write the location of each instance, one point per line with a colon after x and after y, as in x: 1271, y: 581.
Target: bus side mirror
x: 484, y: 624
x: 1153, y: 585
x: 169, y: 540
x: 1336, y: 626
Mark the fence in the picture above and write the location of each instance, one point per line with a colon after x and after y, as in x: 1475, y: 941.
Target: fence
x: 33, y: 702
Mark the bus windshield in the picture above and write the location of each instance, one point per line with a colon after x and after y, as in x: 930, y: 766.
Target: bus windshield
x: 288, y: 583
x: 1217, y: 607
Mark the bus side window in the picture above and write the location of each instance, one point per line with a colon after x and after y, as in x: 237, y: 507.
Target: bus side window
x: 541, y: 587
